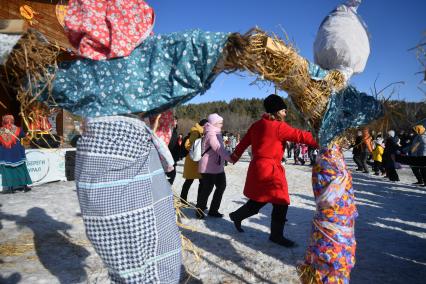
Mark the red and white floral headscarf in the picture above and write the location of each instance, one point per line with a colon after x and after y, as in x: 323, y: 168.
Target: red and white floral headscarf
x: 9, y: 132
x: 104, y: 29
x: 165, y: 127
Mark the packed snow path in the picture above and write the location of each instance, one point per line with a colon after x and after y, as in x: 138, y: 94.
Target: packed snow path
x: 42, y: 238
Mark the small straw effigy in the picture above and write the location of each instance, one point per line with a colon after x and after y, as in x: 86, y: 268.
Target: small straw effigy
x: 274, y: 60
x: 32, y: 61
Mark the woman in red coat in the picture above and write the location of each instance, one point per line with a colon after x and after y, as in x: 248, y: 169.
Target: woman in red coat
x: 266, y: 182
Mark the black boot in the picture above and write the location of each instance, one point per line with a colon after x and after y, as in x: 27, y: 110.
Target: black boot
x: 277, y: 237
x: 249, y: 209
x: 237, y: 222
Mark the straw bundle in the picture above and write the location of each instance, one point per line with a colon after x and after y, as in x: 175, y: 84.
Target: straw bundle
x: 274, y: 60
x: 187, y: 245
x: 23, y: 244
x: 308, y: 275
x: 15, y: 249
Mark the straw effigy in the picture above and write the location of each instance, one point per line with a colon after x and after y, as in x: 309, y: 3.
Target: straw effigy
x: 272, y: 59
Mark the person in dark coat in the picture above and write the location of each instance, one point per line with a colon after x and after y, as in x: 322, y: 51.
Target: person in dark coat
x: 266, y: 181
x: 391, y: 148
x: 174, y: 148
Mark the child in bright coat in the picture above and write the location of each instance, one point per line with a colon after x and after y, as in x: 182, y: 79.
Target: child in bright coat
x: 378, y: 157
x: 266, y: 181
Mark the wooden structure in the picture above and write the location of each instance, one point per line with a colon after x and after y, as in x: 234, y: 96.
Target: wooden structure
x: 41, y: 15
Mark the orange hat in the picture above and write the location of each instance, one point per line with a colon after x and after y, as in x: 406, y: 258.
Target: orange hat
x: 419, y: 129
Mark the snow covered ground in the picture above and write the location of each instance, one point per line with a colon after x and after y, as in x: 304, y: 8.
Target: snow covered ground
x: 42, y: 238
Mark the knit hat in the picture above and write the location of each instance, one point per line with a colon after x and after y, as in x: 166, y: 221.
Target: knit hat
x: 274, y: 103
x: 391, y: 133
x: 202, y: 122
x: 419, y: 129
x: 214, y: 118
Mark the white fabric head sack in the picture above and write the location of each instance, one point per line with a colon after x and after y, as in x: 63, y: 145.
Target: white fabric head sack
x: 7, y: 42
x: 342, y: 41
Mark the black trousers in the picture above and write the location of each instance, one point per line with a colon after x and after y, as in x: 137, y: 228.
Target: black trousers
x: 207, y: 183
x: 420, y: 173
x: 423, y: 173
x: 378, y: 167
x: 392, y: 174
x: 185, y: 188
x: 417, y: 173
x: 278, y: 215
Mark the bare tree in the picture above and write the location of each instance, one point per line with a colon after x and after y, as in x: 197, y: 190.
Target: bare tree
x: 185, y: 124
x: 420, y: 50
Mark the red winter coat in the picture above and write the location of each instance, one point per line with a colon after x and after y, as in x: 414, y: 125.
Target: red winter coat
x: 266, y: 181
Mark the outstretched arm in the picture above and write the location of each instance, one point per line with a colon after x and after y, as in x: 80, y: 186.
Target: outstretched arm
x: 288, y: 133
x: 242, y: 146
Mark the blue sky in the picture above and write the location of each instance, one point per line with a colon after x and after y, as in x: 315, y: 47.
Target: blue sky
x: 394, y: 25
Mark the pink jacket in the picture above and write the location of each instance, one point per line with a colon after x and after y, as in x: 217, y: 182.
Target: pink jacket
x: 303, y: 149
x: 213, y: 160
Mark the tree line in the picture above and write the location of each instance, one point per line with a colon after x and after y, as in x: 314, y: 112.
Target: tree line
x: 239, y: 114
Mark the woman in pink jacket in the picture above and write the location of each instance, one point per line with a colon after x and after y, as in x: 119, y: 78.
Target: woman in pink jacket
x: 211, y: 167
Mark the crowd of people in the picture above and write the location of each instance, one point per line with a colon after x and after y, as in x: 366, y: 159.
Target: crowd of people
x: 385, y: 154
x: 300, y: 152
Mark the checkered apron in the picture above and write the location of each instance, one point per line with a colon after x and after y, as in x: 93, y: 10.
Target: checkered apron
x: 126, y: 202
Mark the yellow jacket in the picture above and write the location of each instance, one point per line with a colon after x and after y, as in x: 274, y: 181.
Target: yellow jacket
x: 190, y: 168
x: 378, y: 153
